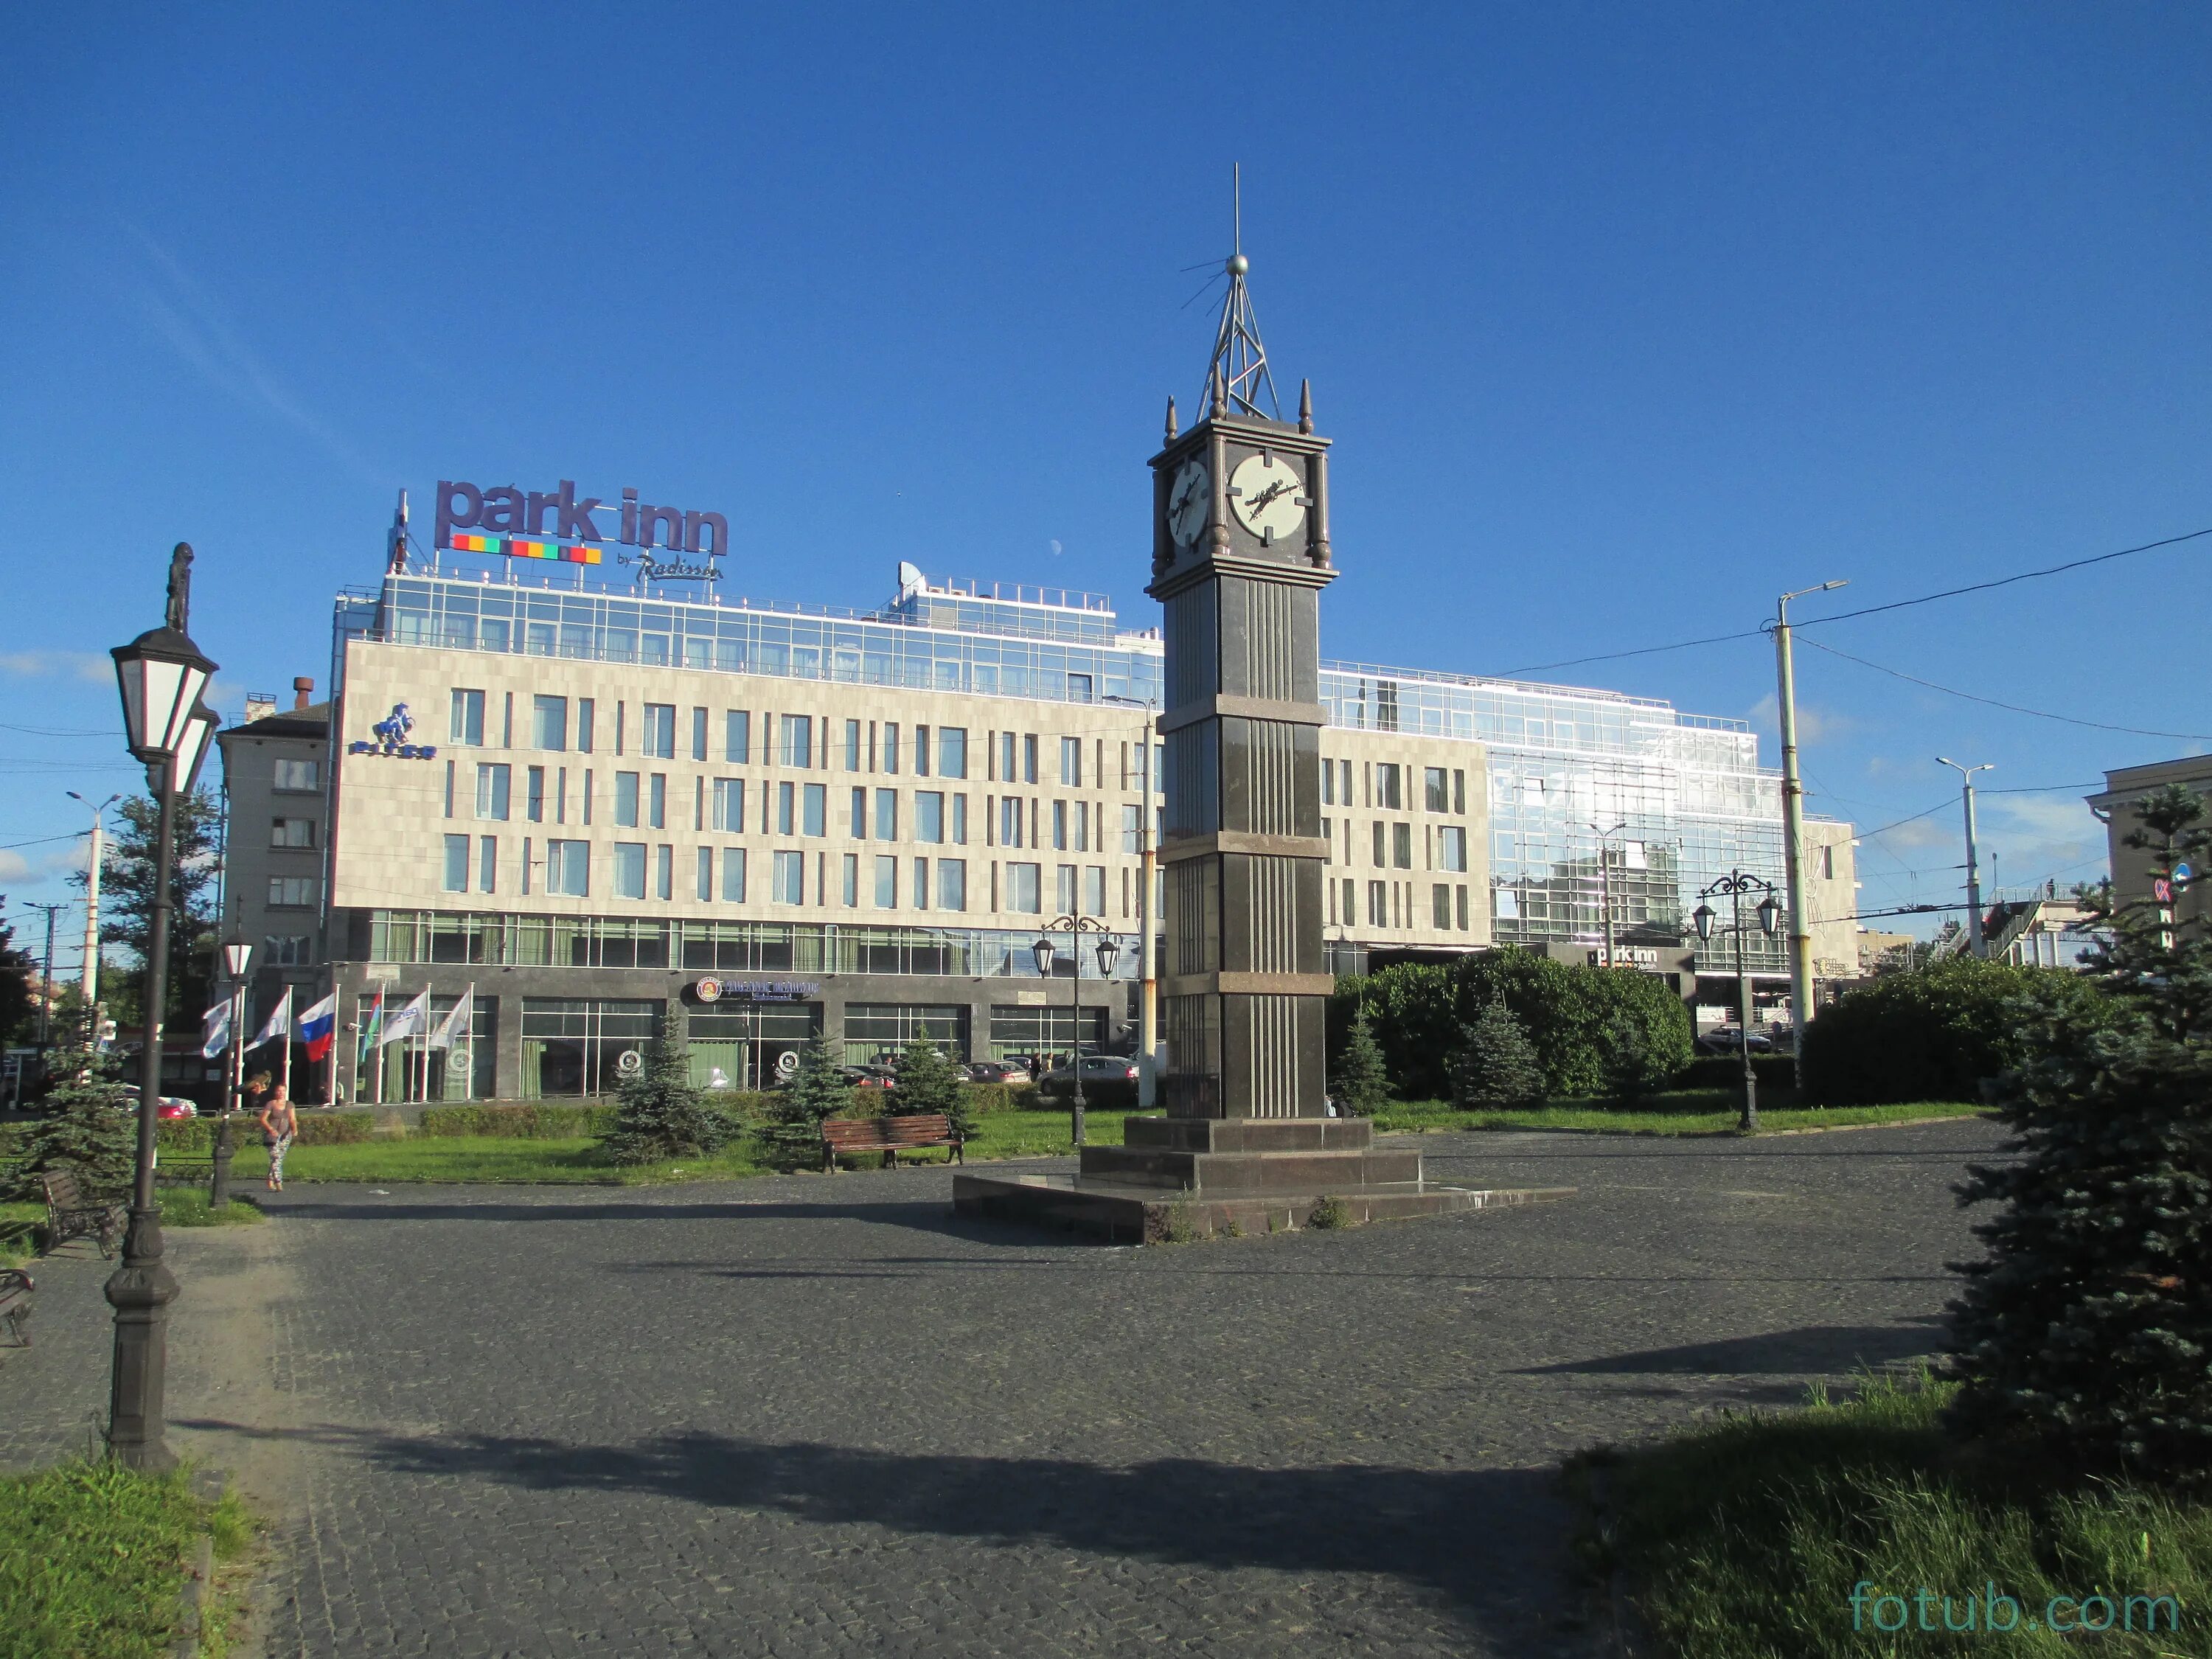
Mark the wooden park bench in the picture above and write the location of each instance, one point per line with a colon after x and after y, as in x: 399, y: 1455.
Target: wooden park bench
x: 70, y: 1215
x: 888, y: 1135
x: 16, y: 1289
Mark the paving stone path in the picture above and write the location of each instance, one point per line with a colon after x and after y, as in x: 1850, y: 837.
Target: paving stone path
x: 820, y: 1416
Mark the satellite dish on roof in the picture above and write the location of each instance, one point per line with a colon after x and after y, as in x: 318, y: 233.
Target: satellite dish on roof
x: 910, y: 579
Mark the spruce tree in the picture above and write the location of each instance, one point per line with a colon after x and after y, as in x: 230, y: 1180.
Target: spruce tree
x: 1496, y: 1065
x: 925, y: 1082
x: 659, y: 1113
x: 793, y: 1132
x: 1363, y: 1082
x: 2086, y: 1336
x: 91, y: 1130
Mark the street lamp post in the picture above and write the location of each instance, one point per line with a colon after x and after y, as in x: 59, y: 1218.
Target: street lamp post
x: 1046, y: 952
x: 160, y: 674
x: 236, y: 958
x: 1973, y: 858
x: 1735, y: 885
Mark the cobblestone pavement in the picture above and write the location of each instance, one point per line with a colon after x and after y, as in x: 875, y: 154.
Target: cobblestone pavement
x: 814, y: 1416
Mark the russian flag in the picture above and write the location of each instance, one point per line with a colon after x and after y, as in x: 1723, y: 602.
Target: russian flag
x: 317, y: 1025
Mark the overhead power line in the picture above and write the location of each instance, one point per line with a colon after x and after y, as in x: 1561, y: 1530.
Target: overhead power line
x: 2012, y: 707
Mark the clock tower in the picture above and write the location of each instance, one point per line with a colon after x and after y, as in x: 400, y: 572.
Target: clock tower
x: 1240, y: 555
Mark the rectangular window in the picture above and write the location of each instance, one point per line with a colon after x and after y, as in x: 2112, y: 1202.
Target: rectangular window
x: 886, y: 815
x: 951, y: 751
x: 629, y: 869
x: 929, y: 816
x: 465, y: 725
x: 788, y: 882
x: 1509, y: 903
x: 1329, y: 783
x: 584, y: 707
x: 698, y: 734
x: 921, y: 751
x: 1029, y: 758
x: 286, y: 950
x: 786, y: 804
x: 664, y: 872
x: 534, y: 794
x: 1060, y: 826
x: 850, y: 866
x: 487, y: 864
x: 733, y: 875
x: 457, y: 864
x: 952, y: 883
x: 1008, y: 766
x: 492, y: 791
x: 1451, y: 847
x: 1094, y: 890
x: 549, y: 722
x: 706, y: 875
x: 656, y: 732
x: 1459, y: 791
x: 299, y: 775
x: 1382, y: 845
x: 795, y: 746
x: 1083, y: 826
x: 1460, y: 901
x: 656, y: 802
x: 1010, y: 821
x: 1827, y: 863
x: 301, y: 832
x: 1436, y: 793
x: 1024, y: 888
x: 817, y: 808
x: 1378, y: 904
x: 569, y: 868
x: 1133, y: 829
x: 1064, y: 889
x: 1440, y: 905
x: 852, y: 745
x: 1389, y: 786
x: 730, y: 805
x: 587, y: 794
x: 886, y: 883
x: 1071, y: 762
x: 738, y: 738
x: 960, y: 820
x: 561, y: 797
x: 857, y: 819
x: 922, y: 884
x: 626, y: 799
x: 1401, y: 846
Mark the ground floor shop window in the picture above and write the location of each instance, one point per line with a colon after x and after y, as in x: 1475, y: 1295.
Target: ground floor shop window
x: 578, y: 1046
x: 750, y: 1046
x: 1045, y: 1031
x: 415, y: 1068
x: 876, y: 1032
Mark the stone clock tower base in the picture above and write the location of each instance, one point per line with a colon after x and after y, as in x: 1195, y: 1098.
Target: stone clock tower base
x: 1204, y: 1177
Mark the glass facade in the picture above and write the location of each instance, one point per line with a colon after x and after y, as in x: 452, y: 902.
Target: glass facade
x: 1565, y: 764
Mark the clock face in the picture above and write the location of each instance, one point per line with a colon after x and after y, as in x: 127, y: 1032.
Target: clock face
x: 1187, y: 503
x: 1268, y: 496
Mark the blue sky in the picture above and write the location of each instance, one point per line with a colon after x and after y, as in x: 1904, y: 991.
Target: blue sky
x: 1624, y: 318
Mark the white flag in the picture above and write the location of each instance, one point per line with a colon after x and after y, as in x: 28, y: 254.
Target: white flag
x: 215, y: 1029
x: 280, y: 1022
x: 454, y: 1028
x: 408, y: 1022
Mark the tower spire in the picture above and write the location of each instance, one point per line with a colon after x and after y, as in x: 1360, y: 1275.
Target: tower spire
x: 1239, y: 359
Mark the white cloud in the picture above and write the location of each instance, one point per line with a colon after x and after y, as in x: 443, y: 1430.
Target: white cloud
x: 57, y: 664
x: 13, y: 866
x: 1814, y: 723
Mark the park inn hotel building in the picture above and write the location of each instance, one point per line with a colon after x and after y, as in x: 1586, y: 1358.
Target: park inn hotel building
x: 795, y: 822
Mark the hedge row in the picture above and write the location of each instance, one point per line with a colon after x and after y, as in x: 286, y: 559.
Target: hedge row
x: 195, y: 1136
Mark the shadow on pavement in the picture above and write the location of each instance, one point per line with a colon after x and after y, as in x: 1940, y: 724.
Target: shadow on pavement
x: 929, y: 1215
x: 1493, y: 1540
x: 1830, y: 1350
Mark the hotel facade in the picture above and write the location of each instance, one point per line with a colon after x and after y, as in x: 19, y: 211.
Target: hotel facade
x: 579, y: 803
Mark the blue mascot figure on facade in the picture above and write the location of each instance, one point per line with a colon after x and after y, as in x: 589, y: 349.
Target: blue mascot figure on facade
x: 391, y: 731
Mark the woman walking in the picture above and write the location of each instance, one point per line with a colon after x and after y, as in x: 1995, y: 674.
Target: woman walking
x: 278, y: 1125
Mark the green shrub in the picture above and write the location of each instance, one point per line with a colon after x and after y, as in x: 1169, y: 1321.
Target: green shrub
x: 326, y: 1129
x: 984, y: 1098
x: 1726, y: 1071
x: 1361, y: 1077
x: 1415, y: 1011
x: 791, y: 1136
x: 661, y: 1113
x: 92, y: 1128
x: 1938, y: 1033
x: 1329, y: 1213
x: 1495, y: 1063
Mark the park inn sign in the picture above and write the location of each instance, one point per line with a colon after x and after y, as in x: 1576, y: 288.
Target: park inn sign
x: 513, y: 521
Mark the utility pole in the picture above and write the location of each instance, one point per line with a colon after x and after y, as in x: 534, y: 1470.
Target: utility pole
x: 1974, y: 942
x: 1793, y: 831
x: 47, y: 998
x: 92, y: 902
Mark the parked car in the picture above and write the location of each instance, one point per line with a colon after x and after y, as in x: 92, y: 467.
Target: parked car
x: 866, y: 1076
x: 1729, y: 1040
x: 1107, y: 1080
x: 995, y: 1071
x: 171, y: 1106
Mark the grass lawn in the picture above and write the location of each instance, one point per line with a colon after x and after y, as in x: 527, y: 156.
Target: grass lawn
x: 92, y: 1557
x: 1748, y: 1538
x: 1680, y: 1112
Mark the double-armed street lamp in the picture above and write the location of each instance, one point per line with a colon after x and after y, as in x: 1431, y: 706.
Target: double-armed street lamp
x: 1735, y: 885
x: 160, y: 674
x: 1046, y: 952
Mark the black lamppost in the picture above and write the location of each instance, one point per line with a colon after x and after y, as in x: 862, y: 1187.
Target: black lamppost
x: 1046, y: 952
x: 1735, y: 885
x: 236, y: 959
x: 160, y: 674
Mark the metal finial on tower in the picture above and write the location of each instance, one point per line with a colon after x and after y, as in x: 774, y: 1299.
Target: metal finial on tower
x: 1305, y: 405
x: 1171, y: 419
x: 1239, y: 360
